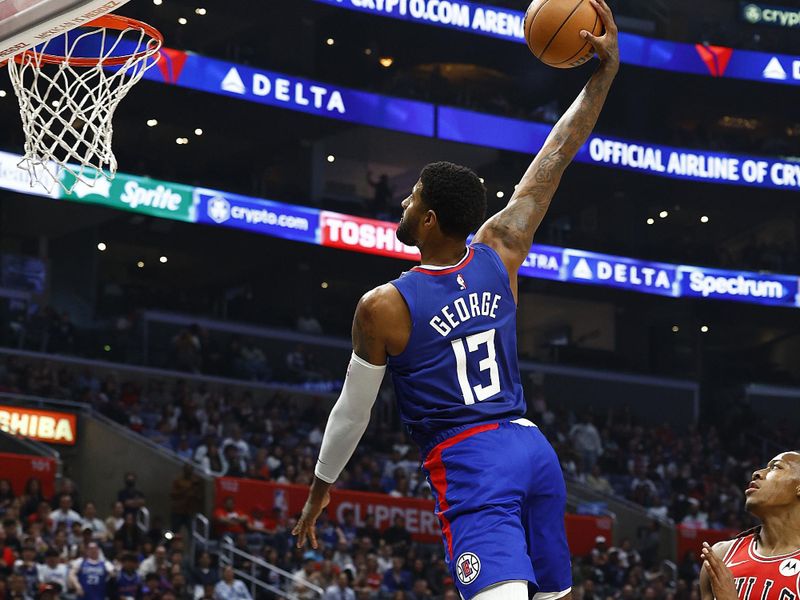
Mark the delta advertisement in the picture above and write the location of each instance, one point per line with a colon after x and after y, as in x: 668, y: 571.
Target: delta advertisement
x: 637, y: 50
x: 292, y: 93
x: 261, y: 498
x: 179, y: 202
x: 463, y: 126
x: 469, y: 127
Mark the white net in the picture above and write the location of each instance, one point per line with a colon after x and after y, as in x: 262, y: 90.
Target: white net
x: 67, y: 109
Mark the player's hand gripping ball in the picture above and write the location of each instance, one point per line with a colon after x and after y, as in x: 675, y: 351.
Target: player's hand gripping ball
x: 553, y: 30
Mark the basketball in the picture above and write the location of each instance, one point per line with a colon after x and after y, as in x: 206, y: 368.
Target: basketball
x: 553, y: 27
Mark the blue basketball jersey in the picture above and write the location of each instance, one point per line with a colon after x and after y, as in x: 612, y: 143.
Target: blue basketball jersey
x: 129, y: 585
x: 460, y: 365
x: 92, y: 576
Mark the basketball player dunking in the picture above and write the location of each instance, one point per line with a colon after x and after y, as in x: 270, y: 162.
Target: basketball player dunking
x: 764, y: 563
x: 446, y: 330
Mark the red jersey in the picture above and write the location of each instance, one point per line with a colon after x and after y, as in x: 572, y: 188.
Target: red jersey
x: 759, y: 577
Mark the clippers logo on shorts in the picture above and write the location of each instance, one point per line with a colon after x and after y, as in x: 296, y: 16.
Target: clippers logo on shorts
x: 468, y: 567
x: 790, y: 567
x: 460, y: 281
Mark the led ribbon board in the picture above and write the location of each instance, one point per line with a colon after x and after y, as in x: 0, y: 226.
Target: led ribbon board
x: 636, y: 50
x: 458, y: 125
x: 179, y: 202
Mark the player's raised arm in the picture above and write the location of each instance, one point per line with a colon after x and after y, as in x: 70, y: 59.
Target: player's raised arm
x: 510, y: 232
x: 372, y: 332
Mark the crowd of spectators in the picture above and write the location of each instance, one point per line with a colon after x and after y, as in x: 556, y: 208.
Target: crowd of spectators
x: 693, y: 477
x: 64, y: 546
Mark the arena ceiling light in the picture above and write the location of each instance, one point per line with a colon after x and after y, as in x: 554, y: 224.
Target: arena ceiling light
x: 158, y: 2
x: 704, y: 329
x: 152, y: 122
x: 198, y: 131
x: 102, y: 246
x: 183, y: 20
x: 704, y: 219
x: 182, y: 141
x: 324, y: 285
x: 663, y: 214
x: 386, y: 61
x: 3, y: 94
x: 651, y: 221
x: 330, y: 41
x: 331, y: 158
x: 163, y: 260
x: 500, y: 194
x: 675, y: 329
x: 140, y: 264
x: 200, y: 11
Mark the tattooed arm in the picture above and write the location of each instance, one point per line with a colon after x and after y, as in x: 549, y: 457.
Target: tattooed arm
x: 510, y: 232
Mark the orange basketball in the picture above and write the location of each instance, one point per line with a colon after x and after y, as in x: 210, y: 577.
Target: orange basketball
x: 553, y: 27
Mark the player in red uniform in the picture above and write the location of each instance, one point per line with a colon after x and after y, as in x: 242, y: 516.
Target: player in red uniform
x: 763, y: 563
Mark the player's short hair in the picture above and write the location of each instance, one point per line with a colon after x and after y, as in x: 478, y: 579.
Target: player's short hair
x: 456, y: 195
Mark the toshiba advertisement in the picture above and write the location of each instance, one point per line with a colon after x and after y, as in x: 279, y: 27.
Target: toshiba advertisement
x: 40, y: 425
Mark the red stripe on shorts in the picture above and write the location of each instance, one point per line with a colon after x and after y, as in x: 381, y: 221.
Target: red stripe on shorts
x: 438, y: 472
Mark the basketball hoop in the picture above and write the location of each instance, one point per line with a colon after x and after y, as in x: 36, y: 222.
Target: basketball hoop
x: 68, y: 89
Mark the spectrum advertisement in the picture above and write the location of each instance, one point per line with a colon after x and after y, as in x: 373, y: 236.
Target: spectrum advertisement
x: 637, y: 50
x: 168, y: 200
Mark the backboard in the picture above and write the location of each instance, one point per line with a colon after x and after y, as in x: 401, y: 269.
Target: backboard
x: 27, y: 23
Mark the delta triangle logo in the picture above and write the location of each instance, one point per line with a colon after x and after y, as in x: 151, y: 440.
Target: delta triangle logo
x: 171, y: 64
x: 716, y: 58
x: 775, y: 70
x: 582, y: 270
x: 233, y: 82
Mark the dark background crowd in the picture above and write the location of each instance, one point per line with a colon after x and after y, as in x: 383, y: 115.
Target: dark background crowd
x: 65, y: 546
x: 694, y: 476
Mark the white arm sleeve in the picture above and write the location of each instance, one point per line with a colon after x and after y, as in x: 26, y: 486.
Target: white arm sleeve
x: 349, y: 417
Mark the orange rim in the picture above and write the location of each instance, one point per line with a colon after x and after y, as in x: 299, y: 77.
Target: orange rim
x: 116, y: 22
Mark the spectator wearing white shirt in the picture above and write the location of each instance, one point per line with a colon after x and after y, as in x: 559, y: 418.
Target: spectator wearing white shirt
x: 340, y: 590
x: 241, y: 444
x: 695, y: 519
x: 90, y: 521
x: 65, y: 514
x: 53, y: 571
x: 230, y: 588
x: 587, y: 442
x: 116, y: 519
x: 154, y: 562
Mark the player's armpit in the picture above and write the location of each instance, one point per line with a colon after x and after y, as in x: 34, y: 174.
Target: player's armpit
x: 510, y: 232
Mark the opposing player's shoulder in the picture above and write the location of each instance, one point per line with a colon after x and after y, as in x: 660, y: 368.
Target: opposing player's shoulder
x: 722, y: 548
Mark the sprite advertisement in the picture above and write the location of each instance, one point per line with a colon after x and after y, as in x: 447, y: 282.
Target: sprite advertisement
x: 137, y: 194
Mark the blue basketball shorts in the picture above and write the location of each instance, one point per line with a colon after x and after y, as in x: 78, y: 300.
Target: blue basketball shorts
x: 500, y: 499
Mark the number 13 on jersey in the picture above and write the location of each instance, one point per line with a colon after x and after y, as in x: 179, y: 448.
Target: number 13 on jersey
x: 473, y: 344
